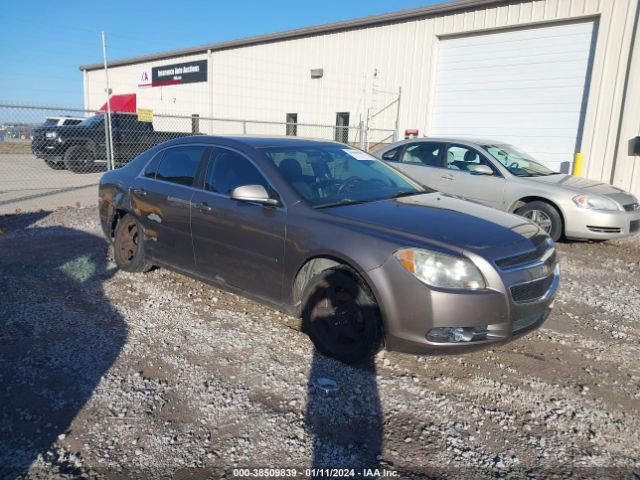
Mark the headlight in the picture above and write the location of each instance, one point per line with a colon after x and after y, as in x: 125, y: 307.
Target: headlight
x: 595, y: 202
x: 439, y: 270
x: 51, y: 134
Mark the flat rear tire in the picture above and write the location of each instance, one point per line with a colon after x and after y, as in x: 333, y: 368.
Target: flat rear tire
x: 128, y: 246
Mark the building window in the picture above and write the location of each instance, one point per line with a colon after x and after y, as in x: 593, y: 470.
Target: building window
x: 342, y: 127
x: 292, y: 124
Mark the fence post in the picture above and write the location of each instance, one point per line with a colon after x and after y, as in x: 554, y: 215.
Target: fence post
x: 395, y: 133
x: 366, y: 132
x: 106, y: 142
x: 361, y: 132
x: 244, y: 127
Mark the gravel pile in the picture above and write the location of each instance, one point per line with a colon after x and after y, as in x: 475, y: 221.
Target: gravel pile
x: 106, y: 374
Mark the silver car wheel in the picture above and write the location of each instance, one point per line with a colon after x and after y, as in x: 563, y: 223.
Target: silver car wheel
x: 540, y: 218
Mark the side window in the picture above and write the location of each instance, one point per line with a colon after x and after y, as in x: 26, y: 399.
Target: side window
x: 229, y: 170
x: 391, y: 155
x: 465, y: 158
x: 152, y: 167
x: 423, y: 153
x: 180, y: 165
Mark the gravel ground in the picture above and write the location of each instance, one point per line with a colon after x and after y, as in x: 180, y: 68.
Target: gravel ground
x: 116, y: 375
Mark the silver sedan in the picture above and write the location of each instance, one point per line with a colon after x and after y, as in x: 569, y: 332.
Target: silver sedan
x: 498, y: 175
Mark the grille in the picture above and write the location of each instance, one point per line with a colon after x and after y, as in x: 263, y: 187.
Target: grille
x: 527, y: 292
x: 541, y: 245
x: 603, y: 229
x: 634, y: 226
x: 631, y: 207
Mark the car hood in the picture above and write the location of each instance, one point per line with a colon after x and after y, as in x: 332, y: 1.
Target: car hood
x: 585, y: 186
x: 60, y: 129
x: 441, y: 219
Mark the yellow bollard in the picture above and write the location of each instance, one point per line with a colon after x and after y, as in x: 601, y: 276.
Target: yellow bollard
x: 577, y: 165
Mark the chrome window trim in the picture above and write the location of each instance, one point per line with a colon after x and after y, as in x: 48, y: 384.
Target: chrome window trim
x: 282, y: 207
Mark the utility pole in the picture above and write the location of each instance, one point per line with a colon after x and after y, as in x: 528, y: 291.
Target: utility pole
x: 107, y: 124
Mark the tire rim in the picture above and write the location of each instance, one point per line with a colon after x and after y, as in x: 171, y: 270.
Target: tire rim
x: 338, y: 318
x: 540, y: 218
x: 128, y: 242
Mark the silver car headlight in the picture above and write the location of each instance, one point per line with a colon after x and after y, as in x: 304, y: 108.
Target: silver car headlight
x: 440, y: 270
x: 595, y: 202
x: 51, y: 134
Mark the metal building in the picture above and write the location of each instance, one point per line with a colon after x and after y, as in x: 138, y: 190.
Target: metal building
x: 553, y: 77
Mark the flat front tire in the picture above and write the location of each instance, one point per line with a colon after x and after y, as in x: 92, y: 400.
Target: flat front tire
x: 128, y: 246
x: 545, y: 216
x: 341, y: 316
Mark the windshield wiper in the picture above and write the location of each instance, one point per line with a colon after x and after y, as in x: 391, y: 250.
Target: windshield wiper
x: 344, y: 201
x: 405, y: 194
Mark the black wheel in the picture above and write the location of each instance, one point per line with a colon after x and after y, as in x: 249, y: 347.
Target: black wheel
x: 79, y: 159
x: 341, y: 316
x: 55, y: 165
x: 128, y: 247
x: 544, y: 215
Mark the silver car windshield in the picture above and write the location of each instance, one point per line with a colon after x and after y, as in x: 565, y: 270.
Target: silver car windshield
x: 332, y: 175
x: 518, y: 163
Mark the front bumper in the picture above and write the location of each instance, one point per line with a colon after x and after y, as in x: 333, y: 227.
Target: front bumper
x: 45, y: 148
x: 411, y: 309
x: 601, y: 225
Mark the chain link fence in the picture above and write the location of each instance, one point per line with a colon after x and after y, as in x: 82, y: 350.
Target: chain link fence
x: 53, y: 157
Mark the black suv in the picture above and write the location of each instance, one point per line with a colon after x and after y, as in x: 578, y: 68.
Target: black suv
x: 82, y: 147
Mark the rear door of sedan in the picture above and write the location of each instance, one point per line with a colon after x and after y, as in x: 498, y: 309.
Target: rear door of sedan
x: 237, y: 243
x: 161, y: 197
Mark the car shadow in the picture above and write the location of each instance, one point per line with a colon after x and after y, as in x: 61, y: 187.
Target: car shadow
x: 346, y: 422
x: 59, y: 334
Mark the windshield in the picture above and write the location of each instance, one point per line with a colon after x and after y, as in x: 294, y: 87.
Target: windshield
x: 51, y: 121
x: 89, y: 122
x: 518, y: 163
x: 330, y: 175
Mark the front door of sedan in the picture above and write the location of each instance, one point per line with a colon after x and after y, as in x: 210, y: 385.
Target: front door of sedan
x: 161, y: 198
x: 423, y: 162
x: 237, y: 243
x: 464, y: 178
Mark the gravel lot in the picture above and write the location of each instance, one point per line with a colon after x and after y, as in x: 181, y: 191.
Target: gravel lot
x: 117, y: 375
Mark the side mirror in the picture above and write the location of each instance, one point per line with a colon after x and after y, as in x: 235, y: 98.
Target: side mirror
x: 480, y: 170
x: 253, y: 193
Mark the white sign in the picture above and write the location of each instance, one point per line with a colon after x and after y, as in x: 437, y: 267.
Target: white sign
x: 358, y: 154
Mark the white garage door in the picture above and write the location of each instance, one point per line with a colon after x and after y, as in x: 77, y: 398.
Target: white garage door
x: 525, y: 87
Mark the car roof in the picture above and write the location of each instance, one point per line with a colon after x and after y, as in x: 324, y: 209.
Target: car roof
x: 467, y: 140
x: 261, y: 141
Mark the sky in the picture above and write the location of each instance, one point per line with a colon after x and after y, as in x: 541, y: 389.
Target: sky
x: 43, y: 42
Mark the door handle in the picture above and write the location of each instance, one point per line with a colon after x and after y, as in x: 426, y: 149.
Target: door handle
x: 140, y: 192
x: 447, y: 177
x: 203, y: 207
